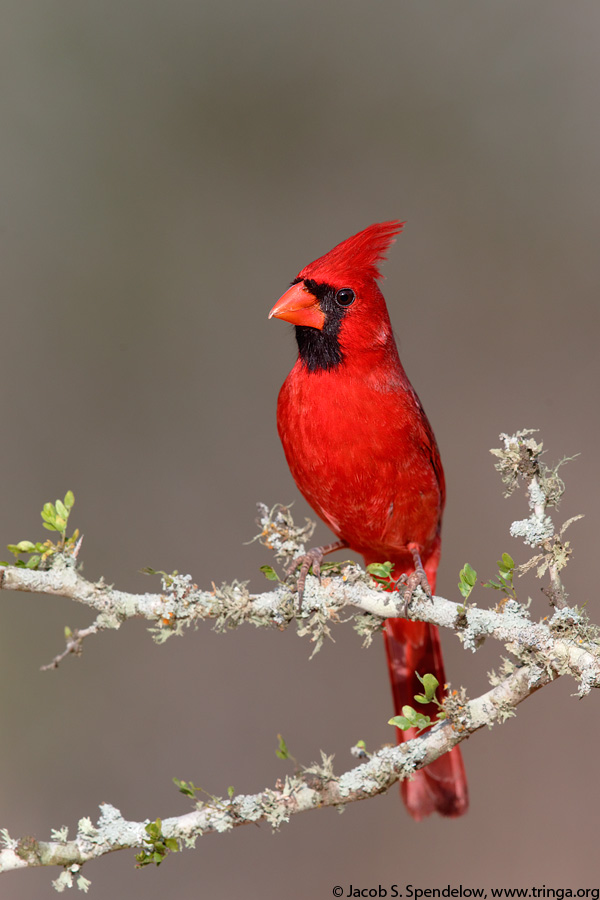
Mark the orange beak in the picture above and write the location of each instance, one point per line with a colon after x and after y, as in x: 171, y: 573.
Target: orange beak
x: 299, y: 307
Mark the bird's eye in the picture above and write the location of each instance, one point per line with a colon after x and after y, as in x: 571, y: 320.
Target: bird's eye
x: 345, y: 297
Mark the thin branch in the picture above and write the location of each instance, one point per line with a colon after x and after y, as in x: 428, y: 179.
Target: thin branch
x: 565, y: 643
x: 74, y: 645
x: 315, y: 787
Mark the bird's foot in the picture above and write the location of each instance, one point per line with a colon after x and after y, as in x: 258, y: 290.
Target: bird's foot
x: 312, y: 558
x: 411, y: 582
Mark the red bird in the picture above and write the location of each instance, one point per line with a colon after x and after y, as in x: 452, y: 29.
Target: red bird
x: 363, y: 454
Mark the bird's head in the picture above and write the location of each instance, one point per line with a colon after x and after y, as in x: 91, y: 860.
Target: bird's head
x: 335, y: 302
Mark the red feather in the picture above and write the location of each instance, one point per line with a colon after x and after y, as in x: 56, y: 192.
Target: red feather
x: 357, y: 255
x: 363, y: 454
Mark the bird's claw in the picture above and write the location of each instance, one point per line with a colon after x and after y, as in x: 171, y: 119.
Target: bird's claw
x: 411, y: 582
x: 314, y: 558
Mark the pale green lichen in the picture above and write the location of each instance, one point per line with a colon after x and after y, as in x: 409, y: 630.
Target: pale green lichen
x: 86, y: 828
x: 504, y: 711
x: 473, y: 638
x: 519, y: 457
x: 107, y: 620
x: 587, y: 681
x: 279, y: 533
x: 6, y: 841
x: 248, y: 808
x: 220, y: 820
x: 60, y: 834
x: 518, y: 609
x: 366, y: 625
x: 114, y: 830
x: 322, y: 770
x: 64, y: 880
x: 316, y: 626
x: 535, y: 675
x: 274, y: 811
x: 83, y: 884
x: 564, y: 619
x: 534, y: 530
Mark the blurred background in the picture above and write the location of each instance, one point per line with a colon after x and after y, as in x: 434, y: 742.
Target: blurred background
x: 166, y: 170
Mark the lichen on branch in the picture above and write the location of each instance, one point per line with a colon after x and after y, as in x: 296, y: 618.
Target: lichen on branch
x: 567, y: 643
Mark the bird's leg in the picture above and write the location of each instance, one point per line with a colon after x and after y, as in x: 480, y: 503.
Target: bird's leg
x: 417, y: 579
x: 314, y: 558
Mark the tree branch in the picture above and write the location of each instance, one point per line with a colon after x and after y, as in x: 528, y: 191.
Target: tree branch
x: 315, y: 787
x: 565, y: 643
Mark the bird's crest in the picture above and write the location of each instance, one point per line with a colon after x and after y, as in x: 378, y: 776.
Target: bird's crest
x: 358, y: 254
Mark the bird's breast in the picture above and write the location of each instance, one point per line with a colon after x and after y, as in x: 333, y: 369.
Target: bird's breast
x: 355, y: 449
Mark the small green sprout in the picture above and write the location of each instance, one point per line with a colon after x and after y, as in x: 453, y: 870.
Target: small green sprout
x: 282, y: 751
x: 167, y: 576
x: 506, y: 569
x: 55, y: 517
x: 410, y: 718
x: 430, y: 686
x: 159, y: 846
x: 188, y: 788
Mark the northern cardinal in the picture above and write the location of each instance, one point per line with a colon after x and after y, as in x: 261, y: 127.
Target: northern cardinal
x: 363, y: 454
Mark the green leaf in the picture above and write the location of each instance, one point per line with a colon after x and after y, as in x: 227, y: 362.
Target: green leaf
x: 430, y: 685
x: 153, y: 828
x: 410, y: 718
x: 172, y: 845
x: 69, y: 500
x: 33, y: 562
x: 230, y: 791
x: 381, y: 570
x: 61, y: 509
x: 48, y: 512
x: 400, y: 722
x: 25, y: 546
x: 269, y: 573
x: 186, y: 787
x: 50, y: 527
x: 493, y: 584
x: 282, y: 751
x: 468, y: 580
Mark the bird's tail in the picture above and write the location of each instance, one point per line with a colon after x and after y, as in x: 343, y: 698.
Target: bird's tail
x: 413, y: 647
x: 442, y: 786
